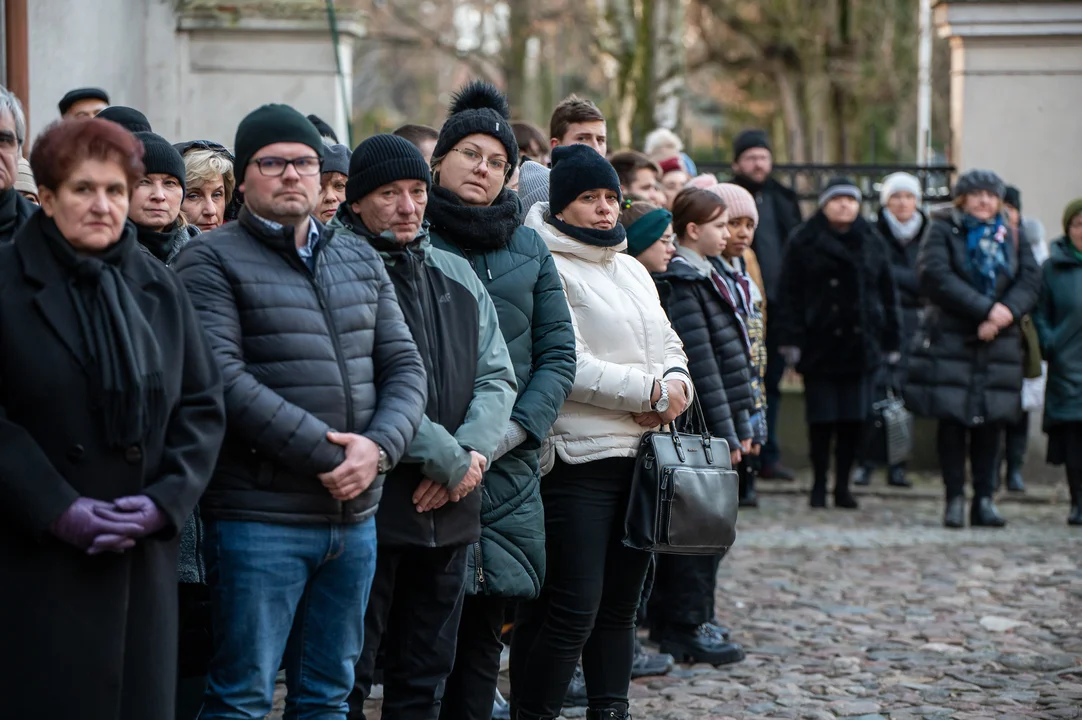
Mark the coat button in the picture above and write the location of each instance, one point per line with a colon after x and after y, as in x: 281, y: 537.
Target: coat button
x: 134, y: 454
x: 857, y: 330
x: 76, y: 453
x: 838, y: 332
x: 833, y: 282
x: 978, y: 420
x: 834, y: 308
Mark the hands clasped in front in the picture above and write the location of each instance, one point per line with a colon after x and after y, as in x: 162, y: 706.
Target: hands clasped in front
x: 678, y: 403
x: 97, y: 526
x: 430, y: 495
x: 999, y: 318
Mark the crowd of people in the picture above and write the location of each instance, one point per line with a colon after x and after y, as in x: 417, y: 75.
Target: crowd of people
x: 366, y: 415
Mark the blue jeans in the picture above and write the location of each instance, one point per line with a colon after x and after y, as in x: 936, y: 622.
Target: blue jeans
x: 293, y: 591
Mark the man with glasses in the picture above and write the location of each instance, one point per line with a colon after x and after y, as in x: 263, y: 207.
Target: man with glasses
x: 15, y: 210
x: 325, y: 390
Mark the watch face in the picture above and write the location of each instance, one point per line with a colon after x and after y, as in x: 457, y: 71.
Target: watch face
x: 662, y: 405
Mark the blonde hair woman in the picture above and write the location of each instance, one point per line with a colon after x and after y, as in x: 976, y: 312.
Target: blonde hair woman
x: 210, y: 184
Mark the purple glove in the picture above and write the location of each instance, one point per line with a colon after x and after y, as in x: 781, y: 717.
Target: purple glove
x: 136, y: 510
x: 81, y: 525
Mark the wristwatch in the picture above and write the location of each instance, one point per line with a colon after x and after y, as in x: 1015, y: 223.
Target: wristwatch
x: 662, y: 404
x: 384, y: 462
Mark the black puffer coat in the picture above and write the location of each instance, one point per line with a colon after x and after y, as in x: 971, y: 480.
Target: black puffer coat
x: 903, y: 265
x: 718, y: 357
x: 301, y: 352
x: 952, y: 374
x: 837, y: 302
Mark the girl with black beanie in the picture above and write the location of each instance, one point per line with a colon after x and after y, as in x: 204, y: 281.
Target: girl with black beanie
x: 473, y: 214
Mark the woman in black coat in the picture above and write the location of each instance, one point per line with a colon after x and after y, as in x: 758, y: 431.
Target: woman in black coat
x: 965, y: 366
x: 111, y: 416
x: 838, y: 322
x: 156, y: 199
x: 901, y: 223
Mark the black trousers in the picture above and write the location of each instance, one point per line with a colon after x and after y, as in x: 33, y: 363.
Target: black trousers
x: 775, y: 370
x: 414, y: 609
x: 471, y: 687
x: 591, y: 593
x: 684, y: 590
x: 982, y: 443
x: 1016, y: 438
x: 847, y: 438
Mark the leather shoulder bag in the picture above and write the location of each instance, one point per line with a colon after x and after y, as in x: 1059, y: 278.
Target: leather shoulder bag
x: 684, y: 492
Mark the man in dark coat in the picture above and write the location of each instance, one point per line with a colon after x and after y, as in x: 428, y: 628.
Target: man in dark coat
x: 431, y: 514
x: 93, y: 636
x: 779, y: 215
x: 15, y: 210
x: 325, y: 390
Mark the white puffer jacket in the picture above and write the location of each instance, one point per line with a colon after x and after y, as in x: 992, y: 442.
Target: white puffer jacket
x: 623, y: 341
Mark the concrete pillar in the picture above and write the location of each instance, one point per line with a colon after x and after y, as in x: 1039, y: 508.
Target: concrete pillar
x: 1016, y: 96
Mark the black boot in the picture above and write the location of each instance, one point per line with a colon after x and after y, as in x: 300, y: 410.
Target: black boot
x: 700, y: 645
x: 1014, y: 480
x: 777, y: 471
x: 819, y: 494
x: 616, y: 711
x: 955, y: 515
x: 748, y: 497
x: 648, y: 664
x: 1074, y: 481
x: 719, y: 630
x: 983, y: 513
x: 842, y: 497
x: 863, y: 475
x: 896, y: 476
x: 576, y: 691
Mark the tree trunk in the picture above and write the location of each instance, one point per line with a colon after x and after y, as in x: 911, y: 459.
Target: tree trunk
x: 514, y: 55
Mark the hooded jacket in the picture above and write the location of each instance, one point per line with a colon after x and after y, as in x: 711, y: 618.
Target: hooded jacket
x: 1058, y: 319
x: 623, y: 343
x: 470, y: 381
x: 516, y: 268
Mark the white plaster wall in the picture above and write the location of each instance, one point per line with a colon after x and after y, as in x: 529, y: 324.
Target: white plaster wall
x: 1022, y: 100
x: 78, y: 43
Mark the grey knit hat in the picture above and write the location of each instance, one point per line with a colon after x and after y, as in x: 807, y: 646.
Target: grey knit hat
x: 336, y: 159
x: 840, y: 187
x: 975, y: 180
x: 533, y: 184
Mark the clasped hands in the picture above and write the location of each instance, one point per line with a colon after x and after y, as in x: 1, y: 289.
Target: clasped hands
x: 97, y: 526
x: 678, y: 403
x: 999, y: 318
x: 430, y: 495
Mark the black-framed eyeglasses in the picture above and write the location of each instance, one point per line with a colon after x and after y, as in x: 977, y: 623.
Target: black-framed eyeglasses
x: 275, y: 166
x: 496, y: 165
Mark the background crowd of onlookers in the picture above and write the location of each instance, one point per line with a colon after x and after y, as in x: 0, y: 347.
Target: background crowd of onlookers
x: 369, y: 415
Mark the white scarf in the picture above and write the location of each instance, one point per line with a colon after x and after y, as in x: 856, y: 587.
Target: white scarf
x: 903, y: 232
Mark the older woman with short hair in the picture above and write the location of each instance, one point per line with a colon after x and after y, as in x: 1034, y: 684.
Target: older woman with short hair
x: 210, y: 182
x: 111, y: 415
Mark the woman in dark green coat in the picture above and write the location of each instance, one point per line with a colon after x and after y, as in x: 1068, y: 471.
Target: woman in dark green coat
x: 473, y: 214
x: 1059, y: 324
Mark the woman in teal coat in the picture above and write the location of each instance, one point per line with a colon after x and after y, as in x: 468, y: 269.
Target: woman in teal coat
x: 473, y: 214
x: 1059, y: 324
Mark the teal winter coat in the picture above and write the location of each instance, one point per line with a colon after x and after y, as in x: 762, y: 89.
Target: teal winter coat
x: 520, y: 275
x: 1058, y: 319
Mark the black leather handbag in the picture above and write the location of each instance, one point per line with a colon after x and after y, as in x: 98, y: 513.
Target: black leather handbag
x: 684, y: 492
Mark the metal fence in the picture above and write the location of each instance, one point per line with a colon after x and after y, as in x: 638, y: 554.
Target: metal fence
x: 808, y: 180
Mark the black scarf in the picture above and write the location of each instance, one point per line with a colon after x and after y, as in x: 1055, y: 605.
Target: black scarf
x: 590, y: 236
x: 471, y: 227
x: 125, y: 362
x: 9, y: 210
x: 162, y: 245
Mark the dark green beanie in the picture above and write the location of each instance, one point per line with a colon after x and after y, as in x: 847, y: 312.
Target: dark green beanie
x: 1073, y: 208
x: 268, y: 125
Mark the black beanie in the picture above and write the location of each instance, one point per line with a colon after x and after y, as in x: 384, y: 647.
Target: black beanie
x: 479, y: 108
x: 1013, y: 197
x: 576, y: 169
x: 381, y: 160
x: 78, y: 94
x: 747, y: 140
x: 271, y: 124
x: 161, y: 157
x: 325, y: 130
x: 126, y: 117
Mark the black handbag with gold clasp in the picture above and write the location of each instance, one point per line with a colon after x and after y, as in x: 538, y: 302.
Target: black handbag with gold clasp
x: 684, y: 492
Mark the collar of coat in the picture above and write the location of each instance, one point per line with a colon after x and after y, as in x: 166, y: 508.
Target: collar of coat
x: 384, y: 243
x: 276, y: 236
x: 559, y: 243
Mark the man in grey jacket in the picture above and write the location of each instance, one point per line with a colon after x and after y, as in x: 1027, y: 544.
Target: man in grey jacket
x: 324, y: 391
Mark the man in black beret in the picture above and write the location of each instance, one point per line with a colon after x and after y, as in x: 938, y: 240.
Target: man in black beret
x: 83, y: 103
x: 779, y: 214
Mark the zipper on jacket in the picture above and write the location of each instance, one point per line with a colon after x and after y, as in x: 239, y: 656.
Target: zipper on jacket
x: 416, y: 266
x: 478, y: 563
x: 337, y: 342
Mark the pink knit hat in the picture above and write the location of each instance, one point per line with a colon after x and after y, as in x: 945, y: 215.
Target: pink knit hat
x: 738, y: 200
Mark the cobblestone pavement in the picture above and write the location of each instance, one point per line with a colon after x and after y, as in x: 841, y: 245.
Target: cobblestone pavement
x: 883, y: 613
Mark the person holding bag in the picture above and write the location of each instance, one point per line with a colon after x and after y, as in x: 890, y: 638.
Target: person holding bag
x: 631, y: 376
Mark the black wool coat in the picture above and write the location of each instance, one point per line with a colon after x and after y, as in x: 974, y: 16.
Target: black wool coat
x: 903, y: 265
x: 838, y: 302
x: 952, y: 374
x: 87, y: 637
x: 718, y: 358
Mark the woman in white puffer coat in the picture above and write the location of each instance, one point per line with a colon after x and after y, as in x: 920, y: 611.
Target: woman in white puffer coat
x: 631, y: 377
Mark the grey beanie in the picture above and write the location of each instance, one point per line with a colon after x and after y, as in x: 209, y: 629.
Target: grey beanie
x: 975, y: 180
x: 840, y: 187
x: 336, y: 159
x: 533, y: 184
